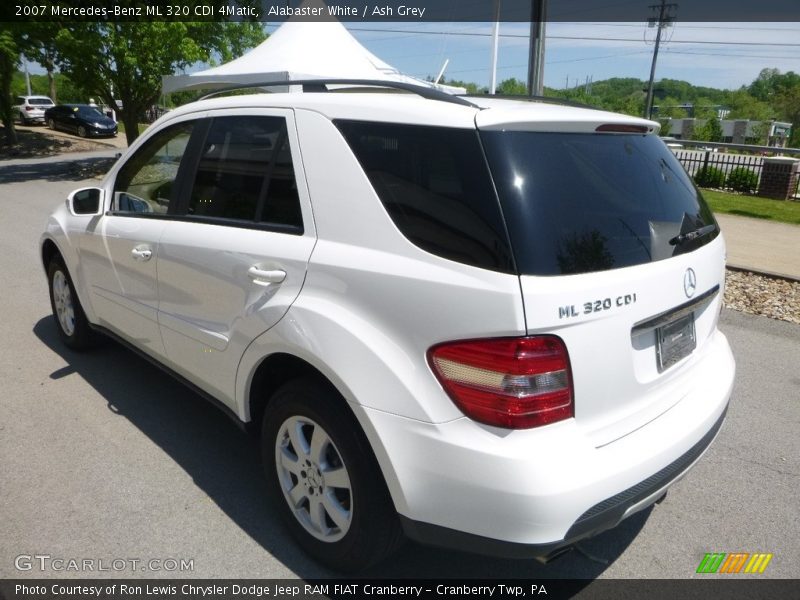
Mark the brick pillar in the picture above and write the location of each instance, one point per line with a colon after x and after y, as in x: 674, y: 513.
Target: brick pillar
x: 779, y: 178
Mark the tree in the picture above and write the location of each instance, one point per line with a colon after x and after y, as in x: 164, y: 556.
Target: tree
x: 788, y: 104
x: 744, y: 106
x: 771, y: 83
x: 512, y: 87
x: 41, y: 48
x: 472, y: 88
x: 710, y: 131
x: 10, y: 43
x: 126, y: 61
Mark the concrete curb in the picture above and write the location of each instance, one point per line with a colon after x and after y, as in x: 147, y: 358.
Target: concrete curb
x: 770, y: 274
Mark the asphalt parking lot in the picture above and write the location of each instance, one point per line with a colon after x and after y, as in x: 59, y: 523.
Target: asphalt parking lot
x: 104, y: 457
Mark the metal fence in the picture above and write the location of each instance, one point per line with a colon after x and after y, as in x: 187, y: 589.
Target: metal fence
x: 706, y: 158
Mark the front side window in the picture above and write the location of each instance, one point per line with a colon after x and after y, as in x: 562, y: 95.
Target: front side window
x: 245, y: 174
x: 146, y: 183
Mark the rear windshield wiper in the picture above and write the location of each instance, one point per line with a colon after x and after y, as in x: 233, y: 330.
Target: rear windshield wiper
x: 692, y: 235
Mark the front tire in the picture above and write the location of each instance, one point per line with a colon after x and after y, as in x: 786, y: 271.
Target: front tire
x: 325, y: 480
x: 51, y: 124
x: 73, y: 327
x: 82, y: 131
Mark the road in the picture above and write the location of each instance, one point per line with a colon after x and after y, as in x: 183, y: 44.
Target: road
x: 104, y: 457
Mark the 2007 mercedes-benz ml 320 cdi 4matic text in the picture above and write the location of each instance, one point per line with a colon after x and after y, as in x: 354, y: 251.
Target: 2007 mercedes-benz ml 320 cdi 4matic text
x: 479, y: 323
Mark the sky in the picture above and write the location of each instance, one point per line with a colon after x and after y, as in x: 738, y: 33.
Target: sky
x: 720, y: 55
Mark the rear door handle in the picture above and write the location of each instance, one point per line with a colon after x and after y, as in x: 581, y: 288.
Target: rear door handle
x: 262, y: 277
x: 142, y: 252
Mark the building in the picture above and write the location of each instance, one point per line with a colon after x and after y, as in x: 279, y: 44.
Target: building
x: 740, y: 131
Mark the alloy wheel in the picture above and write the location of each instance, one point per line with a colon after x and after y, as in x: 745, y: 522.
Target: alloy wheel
x: 314, y: 479
x: 62, y: 299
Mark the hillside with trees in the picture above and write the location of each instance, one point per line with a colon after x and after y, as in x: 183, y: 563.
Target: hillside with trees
x: 773, y: 95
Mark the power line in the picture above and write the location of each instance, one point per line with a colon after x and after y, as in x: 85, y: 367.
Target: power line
x: 573, y: 37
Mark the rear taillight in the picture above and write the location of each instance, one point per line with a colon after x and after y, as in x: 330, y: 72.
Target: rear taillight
x: 28, y: 108
x: 516, y: 383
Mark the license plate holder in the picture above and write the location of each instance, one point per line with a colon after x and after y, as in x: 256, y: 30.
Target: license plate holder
x: 675, y: 341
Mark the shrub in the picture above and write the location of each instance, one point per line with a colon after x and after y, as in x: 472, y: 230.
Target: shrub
x: 742, y: 180
x: 710, y: 177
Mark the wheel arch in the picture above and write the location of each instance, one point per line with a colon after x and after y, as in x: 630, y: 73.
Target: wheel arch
x: 48, y: 251
x: 278, y: 368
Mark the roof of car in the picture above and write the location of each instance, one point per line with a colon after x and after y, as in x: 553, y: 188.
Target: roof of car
x: 405, y: 108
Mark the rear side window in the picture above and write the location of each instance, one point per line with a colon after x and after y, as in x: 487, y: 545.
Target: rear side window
x: 579, y: 203
x: 436, y: 187
x: 245, y: 173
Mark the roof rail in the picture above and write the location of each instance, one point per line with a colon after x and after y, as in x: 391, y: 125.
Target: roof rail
x: 319, y: 85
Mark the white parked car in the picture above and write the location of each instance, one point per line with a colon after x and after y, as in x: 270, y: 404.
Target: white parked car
x: 483, y: 324
x: 30, y: 109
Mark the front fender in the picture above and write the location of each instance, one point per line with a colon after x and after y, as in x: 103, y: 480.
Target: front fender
x: 64, y: 230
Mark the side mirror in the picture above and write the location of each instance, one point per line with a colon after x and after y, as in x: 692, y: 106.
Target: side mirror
x: 85, y: 201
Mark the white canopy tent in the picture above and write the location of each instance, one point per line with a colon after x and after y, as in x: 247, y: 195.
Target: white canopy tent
x: 299, y: 50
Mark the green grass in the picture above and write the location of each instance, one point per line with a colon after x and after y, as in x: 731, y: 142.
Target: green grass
x: 785, y: 211
x: 121, y: 127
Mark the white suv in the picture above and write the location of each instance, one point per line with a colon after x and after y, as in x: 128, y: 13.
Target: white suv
x: 30, y: 109
x: 482, y: 323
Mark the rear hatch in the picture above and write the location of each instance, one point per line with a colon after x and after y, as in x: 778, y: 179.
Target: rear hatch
x: 618, y: 254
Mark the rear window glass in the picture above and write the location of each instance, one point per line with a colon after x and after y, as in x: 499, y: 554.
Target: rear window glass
x: 578, y: 203
x: 89, y: 112
x: 40, y: 101
x: 436, y: 187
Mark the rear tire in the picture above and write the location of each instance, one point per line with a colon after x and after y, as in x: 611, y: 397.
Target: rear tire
x: 73, y: 327
x: 324, y: 479
x: 51, y: 124
x: 82, y: 131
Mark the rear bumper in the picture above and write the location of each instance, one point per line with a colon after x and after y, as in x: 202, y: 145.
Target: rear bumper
x: 600, y: 517
x: 530, y: 493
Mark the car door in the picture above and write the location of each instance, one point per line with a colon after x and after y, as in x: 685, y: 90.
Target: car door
x: 64, y: 118
x: 121, y: 249
x: 235, y: 258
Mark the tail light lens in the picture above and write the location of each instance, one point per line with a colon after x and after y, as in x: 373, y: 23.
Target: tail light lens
x: 516, y: 383
x: 29, y: 108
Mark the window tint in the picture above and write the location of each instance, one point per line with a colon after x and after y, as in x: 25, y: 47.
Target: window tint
x: 89, y: 112
x: 577, y: 203
x: 146, y: 183
x: 245, y: 173
x: 436, y: 187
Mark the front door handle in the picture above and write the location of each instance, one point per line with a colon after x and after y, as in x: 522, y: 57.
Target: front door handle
x: 142, y: 252
x: 262, y: 277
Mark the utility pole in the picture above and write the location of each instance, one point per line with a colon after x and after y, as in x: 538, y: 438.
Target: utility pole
x: 495, y: 44
x: 665, y: 19
x: 536, y: 59
x: 27, y: 76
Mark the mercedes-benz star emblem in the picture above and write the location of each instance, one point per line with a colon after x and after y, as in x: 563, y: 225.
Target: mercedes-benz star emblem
x: 689, y: 283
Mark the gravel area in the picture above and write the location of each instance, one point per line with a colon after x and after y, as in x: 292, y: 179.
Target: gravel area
x: 761, y: 295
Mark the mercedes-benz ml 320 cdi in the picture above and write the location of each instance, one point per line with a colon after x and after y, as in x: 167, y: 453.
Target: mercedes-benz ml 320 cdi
x: 479, y: 323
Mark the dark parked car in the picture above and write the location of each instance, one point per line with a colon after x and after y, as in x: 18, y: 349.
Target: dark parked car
x: 83, y: 119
